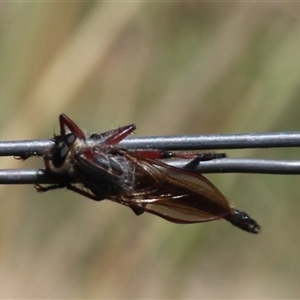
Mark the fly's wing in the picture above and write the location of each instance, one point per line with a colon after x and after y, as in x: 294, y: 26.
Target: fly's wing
x: 178, y: 195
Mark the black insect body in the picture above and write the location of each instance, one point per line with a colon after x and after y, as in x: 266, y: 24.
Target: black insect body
x: 137, y: 178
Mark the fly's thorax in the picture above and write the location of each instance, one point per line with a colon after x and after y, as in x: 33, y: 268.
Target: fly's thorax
x: 105, y: 170
x: 113, y: 165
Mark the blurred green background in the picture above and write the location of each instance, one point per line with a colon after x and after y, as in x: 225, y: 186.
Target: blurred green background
x: 171, y: 68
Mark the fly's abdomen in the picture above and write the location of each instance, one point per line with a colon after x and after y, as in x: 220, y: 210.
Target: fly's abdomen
x: 243, y: 221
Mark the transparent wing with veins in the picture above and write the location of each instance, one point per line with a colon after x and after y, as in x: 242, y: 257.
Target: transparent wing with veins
x: 177, y: 195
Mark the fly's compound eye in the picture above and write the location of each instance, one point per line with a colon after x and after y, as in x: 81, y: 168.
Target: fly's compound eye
x: 69, y: 139
x: 61, y: 149
x: 59, y: 155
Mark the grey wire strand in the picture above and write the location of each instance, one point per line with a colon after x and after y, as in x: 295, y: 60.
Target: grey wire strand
x: 179, y: 143
x: 245, y: 165
x: 224, y: 165
x: 216, y: 141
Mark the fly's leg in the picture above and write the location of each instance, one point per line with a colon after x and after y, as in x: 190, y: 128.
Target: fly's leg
x: 27, y: 155
x: 194, y: 163
x: 162, y: 154
x: 193, y: 158
x: 65, y: 121
x: 113, y: 135
x: 41, y: 189
x: 84, y: 193
x: 117, y: 135
x: 209, y: 156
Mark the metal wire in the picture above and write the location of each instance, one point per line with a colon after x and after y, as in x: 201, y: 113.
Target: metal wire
x: 179, y: 143
x: 243, y: 165
x: 225, y: 165
x: 217, y: 141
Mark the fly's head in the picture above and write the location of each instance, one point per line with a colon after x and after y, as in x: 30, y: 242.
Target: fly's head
x: 68, y: 145
x: 60, y: 158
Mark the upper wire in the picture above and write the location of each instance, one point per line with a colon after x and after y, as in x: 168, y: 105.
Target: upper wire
x: 176, y: 142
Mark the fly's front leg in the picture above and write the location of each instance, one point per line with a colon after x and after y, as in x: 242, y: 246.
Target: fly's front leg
x: 66, y: 121
x: 42, y: 189
x: 27, y: 155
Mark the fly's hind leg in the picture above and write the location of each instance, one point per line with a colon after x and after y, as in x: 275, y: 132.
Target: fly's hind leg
x: 194, y: 163
x: 209, y: 156
x: 164, y: 154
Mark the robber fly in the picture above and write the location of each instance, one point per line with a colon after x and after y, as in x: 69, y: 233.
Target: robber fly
x: 137, y: 178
